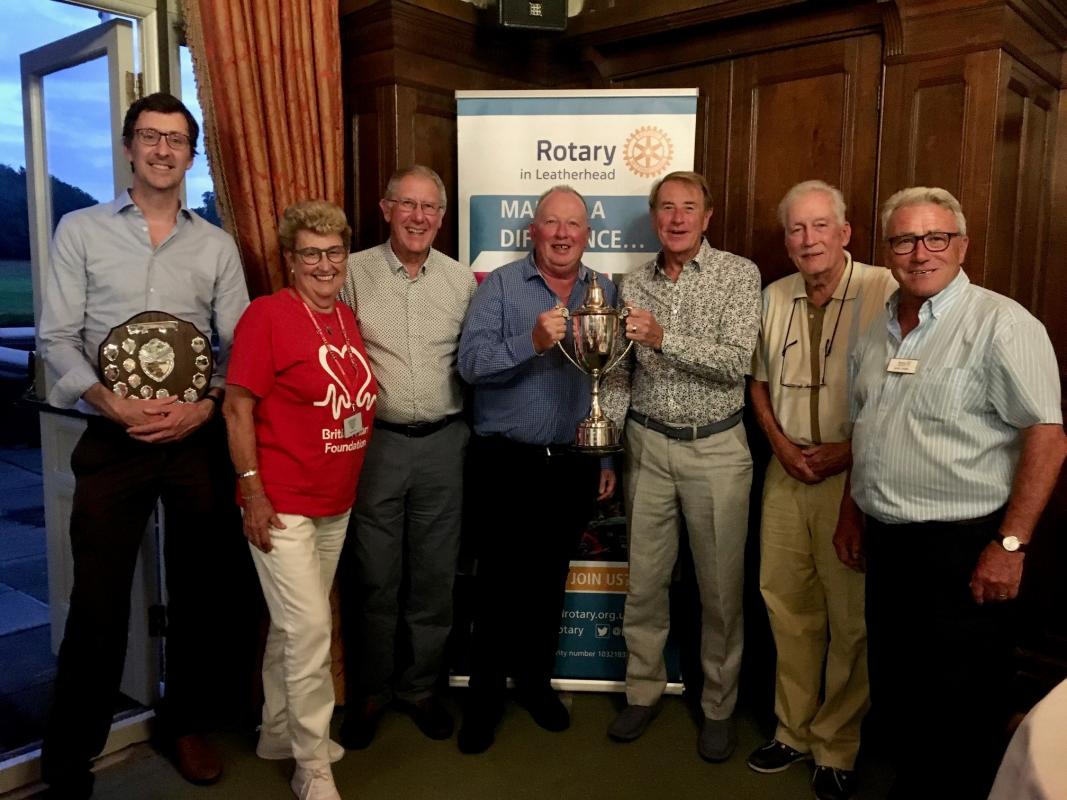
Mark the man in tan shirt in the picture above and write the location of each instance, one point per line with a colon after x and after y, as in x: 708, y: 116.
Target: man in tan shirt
x: 799, y: 390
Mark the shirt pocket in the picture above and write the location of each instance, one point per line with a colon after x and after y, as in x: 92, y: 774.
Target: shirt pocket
x: 941, y: 394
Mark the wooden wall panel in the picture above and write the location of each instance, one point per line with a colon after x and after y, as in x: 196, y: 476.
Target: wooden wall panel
x: 426, y: 134
x: 402, y: 64
x: 805, y: 113
x: 936, y: 135
x: 712, y: 134
x: 756, y: 137
x: 939, y: 129
x: 1020, y: 197
x: 394, y: 126
x: 1052, y: 303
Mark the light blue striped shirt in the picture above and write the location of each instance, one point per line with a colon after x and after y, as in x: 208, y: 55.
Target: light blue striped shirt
x: 943, y: 444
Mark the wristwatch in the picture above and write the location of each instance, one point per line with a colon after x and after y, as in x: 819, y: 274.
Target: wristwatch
x: 1011, y: 543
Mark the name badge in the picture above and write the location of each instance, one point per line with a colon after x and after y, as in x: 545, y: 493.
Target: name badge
x: 353, y: 426
x: 903, y: 366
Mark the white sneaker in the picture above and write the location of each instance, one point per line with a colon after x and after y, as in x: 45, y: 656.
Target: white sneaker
x: 277, y: 748
x: 314, y: 782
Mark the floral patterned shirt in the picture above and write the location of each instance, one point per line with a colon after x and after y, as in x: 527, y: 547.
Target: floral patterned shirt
x: 710, y: 318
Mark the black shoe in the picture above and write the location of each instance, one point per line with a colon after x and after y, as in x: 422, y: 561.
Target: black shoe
x: 546, y: 709
x: 479, y: 727
x: 360, y: 725
x: 830, y: 783
x: 775, y: 757
x: 431, y: 717
x: 717, y: 740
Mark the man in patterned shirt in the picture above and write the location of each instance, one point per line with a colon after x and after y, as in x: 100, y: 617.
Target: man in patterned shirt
x: 404, y: 541
x: 696, y: 314
x: 957, y: 442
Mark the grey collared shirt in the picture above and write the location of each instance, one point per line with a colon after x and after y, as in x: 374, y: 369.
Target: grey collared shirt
x: 710, y: 318
x: 103, y: 269
x: 411, y: 329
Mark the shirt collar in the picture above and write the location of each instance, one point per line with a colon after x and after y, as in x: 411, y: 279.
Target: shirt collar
x: 839, y: 291
x: 395, y: 265
x: 124, y: 201
x: 940, y: 302
x: 530, y: 271
x: 696, y: 261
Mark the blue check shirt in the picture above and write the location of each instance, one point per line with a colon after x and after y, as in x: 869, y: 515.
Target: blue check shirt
x: 518, y: 394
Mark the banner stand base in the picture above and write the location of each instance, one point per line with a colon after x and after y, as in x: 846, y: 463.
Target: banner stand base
x: 572, y: 685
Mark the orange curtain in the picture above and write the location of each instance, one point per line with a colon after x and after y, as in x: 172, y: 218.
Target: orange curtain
x: 269, y: 81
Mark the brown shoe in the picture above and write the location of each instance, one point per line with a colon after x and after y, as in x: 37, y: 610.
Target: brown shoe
x: 197, y: 760
x: 360, y: 724
x: 431, y: 717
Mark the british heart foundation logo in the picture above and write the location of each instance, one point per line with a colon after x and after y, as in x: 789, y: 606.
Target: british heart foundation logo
x: 648, y: 151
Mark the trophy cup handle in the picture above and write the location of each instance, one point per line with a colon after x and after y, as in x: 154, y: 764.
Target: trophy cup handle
x: 618, y: 358
x: 562, y: 349
x: 624, y: 312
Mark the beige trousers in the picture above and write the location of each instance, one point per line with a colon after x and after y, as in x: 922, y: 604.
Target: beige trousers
x: 296, y: 577
x: 707, y: 483
x: 815, y: 604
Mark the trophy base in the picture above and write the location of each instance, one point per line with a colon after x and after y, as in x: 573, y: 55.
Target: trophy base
x: 597, y: 437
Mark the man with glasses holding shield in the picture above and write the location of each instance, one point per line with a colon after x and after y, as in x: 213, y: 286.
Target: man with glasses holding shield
x: 404, y: 535
x: 957, y: 443
x: 799, y: 389
x: 144, y: 251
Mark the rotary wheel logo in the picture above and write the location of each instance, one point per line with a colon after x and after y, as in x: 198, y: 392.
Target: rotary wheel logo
x: 648, y: 152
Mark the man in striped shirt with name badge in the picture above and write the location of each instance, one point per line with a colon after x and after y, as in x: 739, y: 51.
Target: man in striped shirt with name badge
x: 957, y: 444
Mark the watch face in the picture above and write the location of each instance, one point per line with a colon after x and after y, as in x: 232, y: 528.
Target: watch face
x: 1010, y: 543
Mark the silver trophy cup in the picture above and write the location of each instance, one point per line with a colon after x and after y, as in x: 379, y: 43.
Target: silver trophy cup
x: 598, y: 348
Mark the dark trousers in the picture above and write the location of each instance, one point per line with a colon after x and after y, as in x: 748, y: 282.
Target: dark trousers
x: 118, y: 481
x: 399, y: 564
x: 531, y: 510
x: 940, y: 664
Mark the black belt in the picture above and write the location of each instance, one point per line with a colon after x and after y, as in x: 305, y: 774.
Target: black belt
x: 992, y: 518
x: 689, y: 432
x: 417, y: 430
x: 502, y: 442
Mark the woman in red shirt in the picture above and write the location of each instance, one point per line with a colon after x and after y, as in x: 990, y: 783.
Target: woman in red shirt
x: 299, y: 409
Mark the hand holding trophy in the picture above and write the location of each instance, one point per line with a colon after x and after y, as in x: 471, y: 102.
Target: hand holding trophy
x: 598, y: 337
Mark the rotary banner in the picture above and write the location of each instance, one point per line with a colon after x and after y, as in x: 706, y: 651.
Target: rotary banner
x: 609, y: 145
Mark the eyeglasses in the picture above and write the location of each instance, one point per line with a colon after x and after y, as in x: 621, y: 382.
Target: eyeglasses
x: 150, y: 136
x: 409, y: 206
x: 934, y: 242
x: 313, y: 255
x: 802, y: 384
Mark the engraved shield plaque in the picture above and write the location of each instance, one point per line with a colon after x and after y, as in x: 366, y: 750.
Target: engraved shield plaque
x: 162, y: 356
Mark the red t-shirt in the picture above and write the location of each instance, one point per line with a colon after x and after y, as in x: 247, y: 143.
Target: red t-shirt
x: 306, y: 390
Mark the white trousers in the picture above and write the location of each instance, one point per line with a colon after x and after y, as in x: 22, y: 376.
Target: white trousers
x: 296, y: 577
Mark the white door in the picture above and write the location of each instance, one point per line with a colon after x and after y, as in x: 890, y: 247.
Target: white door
x: 105, y: 52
